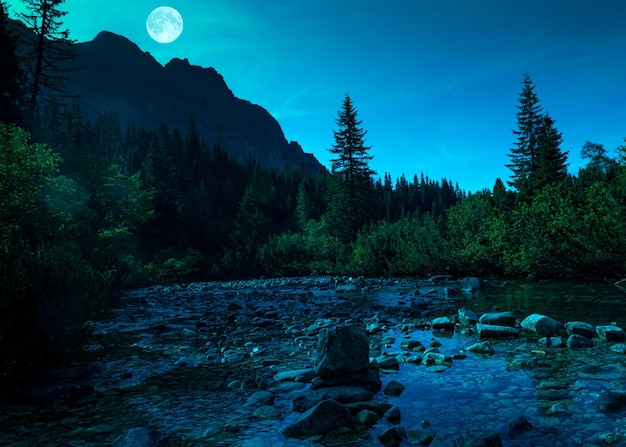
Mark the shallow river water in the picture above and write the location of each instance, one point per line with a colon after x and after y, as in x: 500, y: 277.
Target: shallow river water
x: 158, y: 364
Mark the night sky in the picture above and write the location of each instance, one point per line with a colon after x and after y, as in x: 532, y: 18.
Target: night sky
x: 436, y: 83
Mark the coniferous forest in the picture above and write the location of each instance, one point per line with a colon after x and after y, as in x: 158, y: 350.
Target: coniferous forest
x: 88, y: 207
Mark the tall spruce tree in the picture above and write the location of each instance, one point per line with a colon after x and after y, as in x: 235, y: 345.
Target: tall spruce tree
x: 551, y: 165
x: 49, y: 51
x: 523, y: 155
x: 352, y: 194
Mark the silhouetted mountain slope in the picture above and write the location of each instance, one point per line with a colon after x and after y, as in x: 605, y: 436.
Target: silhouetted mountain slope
x: 117, y: 76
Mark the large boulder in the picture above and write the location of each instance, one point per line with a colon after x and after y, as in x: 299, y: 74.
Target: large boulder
x: 580, y: 328
x: 495, y: 331
x: 319, y: 420
x: 499, y: 318
x: 341, y: 350
x: 541, y: 325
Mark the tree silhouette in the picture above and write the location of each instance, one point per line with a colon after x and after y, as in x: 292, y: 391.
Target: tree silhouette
x: 352, y: 195
x: 523, y: 155
x: 48, y: 52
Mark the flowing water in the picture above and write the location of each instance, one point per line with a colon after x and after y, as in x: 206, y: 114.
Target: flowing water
x: 159, y: 378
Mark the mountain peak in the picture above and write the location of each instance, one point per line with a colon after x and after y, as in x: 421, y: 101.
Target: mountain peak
x: 118, y: 76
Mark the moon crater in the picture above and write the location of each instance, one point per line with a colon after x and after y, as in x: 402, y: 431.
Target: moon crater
x: 164, y: 24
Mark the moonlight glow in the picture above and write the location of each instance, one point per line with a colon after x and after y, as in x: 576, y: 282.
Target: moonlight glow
x: 164, y: 24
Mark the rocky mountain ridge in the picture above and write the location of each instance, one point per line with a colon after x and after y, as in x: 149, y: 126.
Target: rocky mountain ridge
x: 116, y: 75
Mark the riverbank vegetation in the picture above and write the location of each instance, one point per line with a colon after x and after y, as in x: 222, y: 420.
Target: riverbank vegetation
x: 89, y: 207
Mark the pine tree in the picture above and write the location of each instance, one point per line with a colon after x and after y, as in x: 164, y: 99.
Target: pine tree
x: 352, y: 194
x: 551, y: 163
x: 523, y: 155
x: 48, y: 54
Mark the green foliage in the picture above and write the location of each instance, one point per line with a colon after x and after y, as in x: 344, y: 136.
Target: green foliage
x: 175, y: 267
x: 409, y: 246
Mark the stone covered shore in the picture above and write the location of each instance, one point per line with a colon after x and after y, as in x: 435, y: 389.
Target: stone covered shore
x: 266, y: 362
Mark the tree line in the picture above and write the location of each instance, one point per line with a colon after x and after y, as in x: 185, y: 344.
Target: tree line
x: 89, y: 207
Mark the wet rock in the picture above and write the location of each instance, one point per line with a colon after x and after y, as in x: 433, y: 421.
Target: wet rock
x: 267, y: 413
x: 285, y: 387
x: 611, y: 402
x: 367, y: 417
x: 495, y: 331
x: 551, y: 342
x: 620, y: 348
x: 393, y: 436
x: 342, y: 349
x: 260, y: 398
x: 393, y: 415
x: 498, y: 319
x: 472, y: 438
x: 368, y: 379
x: 296, y: 375
x: 467, y: 317
x: 343, y: 394
x: 471, y: 284
x: 576, y: 341
x: 611, y: 333
x: 557, y: 408
x: 393, y: 388
x: 319, y: 420
x: 442, y: 323
x: 388, y: 362
x: 540, y: 324
x: 380, y: 407
x: 519, y: 427
x: 411, y: 345
x: 436, y: 358
x: 419, y: 436
x: 346, y: 288
x: 580, y: 328
x: 483, y: 347
x: 139, y: 437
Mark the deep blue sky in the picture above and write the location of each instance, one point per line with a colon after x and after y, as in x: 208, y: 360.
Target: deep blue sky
x: 436, y: 83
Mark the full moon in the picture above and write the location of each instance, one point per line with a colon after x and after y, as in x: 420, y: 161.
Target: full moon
x: 164, y: 24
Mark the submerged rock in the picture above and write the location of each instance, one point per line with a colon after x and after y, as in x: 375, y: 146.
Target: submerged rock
x: 519, y: 426
x: 611, y: 402
x: 483, y: 347
x: 467, y: 317
x: 393, y: 436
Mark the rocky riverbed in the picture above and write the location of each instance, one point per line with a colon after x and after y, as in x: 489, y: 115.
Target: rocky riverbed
x: 230, y: 363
